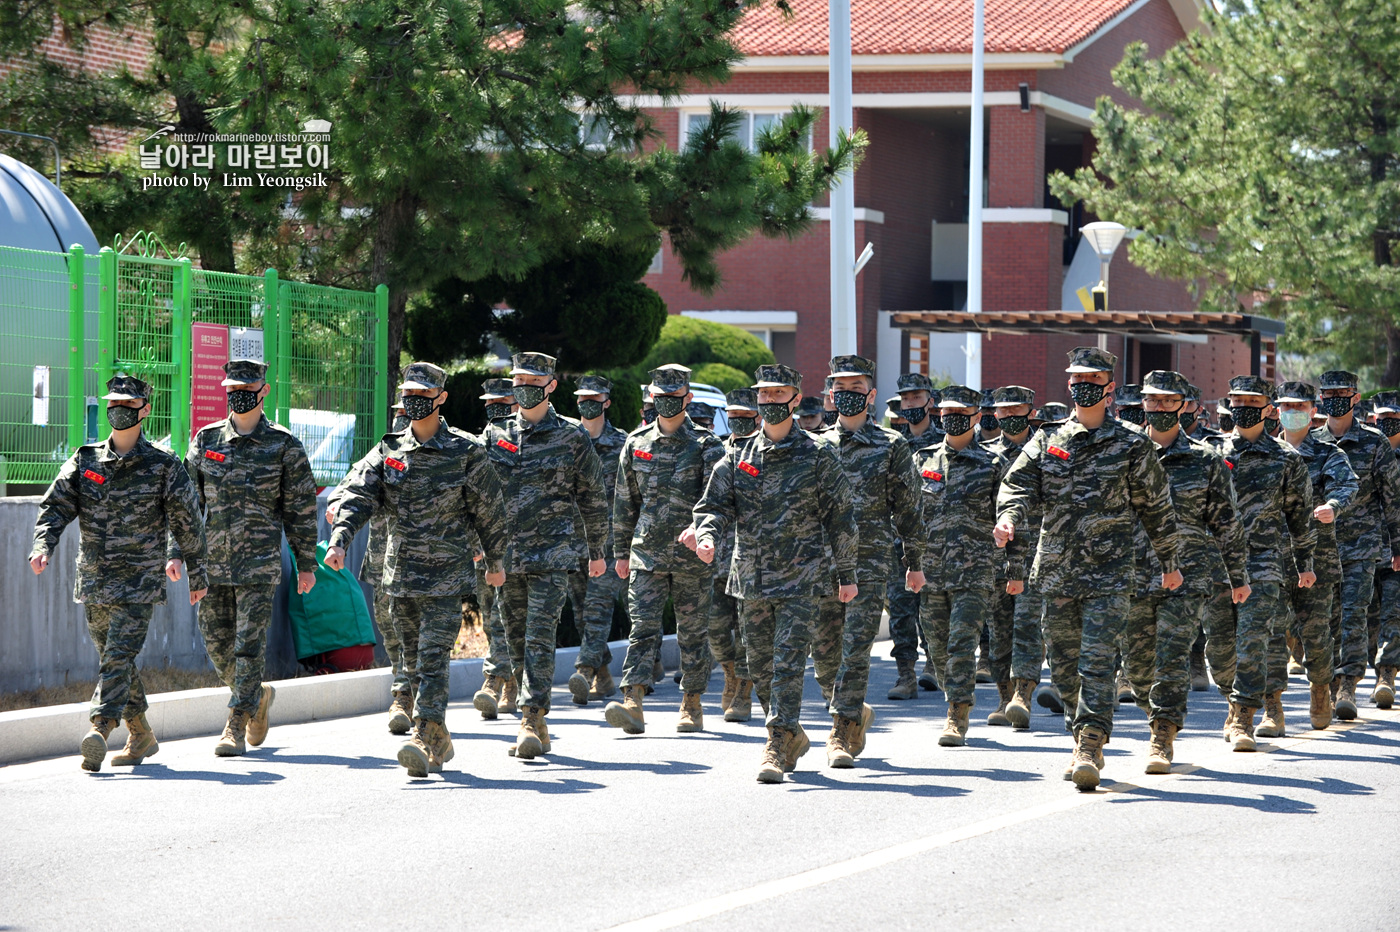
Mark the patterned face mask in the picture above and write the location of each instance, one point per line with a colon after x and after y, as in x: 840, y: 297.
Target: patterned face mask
x: 401, y: 421
x: 776, y: 412
x: 1187, y: 420
x: 1246, y: 416
x: 496, y: 411
x: 418, y: 407
x: 989, y: 422
x: 1086, y: 394
x: 589, y: 409
x: 849, y: 404
x: 242, y: 400
x: 957, y: 424
x: 668, y: 405
x: 1132, y: 414
x: 1014, y: 424
x: 1332, y: 407
x: 743, y: 426
x: 123, y: 418
x: 1390, y: 426
x: 1163, y: 420
x: 913, y: 415
x: 529, y: 396
x: 1295, y: 420
x: 1270, y: 425
x: 830, y: 417
x: 649, y: 415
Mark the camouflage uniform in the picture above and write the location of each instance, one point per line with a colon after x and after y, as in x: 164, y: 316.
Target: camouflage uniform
x: 660, y: 477
x: 558, y: 513
x: 903, y: 605
x: 1386, y: 603
x: 252, y: 489
x: 726, y: 638
x: 498, y: 395
x: 125, y: 506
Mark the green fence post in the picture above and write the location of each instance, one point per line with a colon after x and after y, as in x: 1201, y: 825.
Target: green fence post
x: 284, y: 354
x: 381, y: 360
x: 181, y: 312
x: 77, y: 399
x: 269, y: 328
x: 106, y: 326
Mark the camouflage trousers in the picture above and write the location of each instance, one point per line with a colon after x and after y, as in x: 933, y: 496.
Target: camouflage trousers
x: 689, y: 593
x: 1219, y: 615
x: 435, y: 621
x: 999, y: 632
x: 401, y: 646
x: 593, y: 601
x: 1387, y: 606
x: 118, y: 632
x: 841, y: 646
x: 530, y: 605
x: 1352, y: 638
x: 488, y: 601
x: 903, y: 606
x: 1244, y: 677
x: 1027, y: 637
x: 1083, y: 636
x: 954, y: 619
x: 826, y: 640
x: 1312, y: 626
x: 233, y: 621
x: 777, y: 634
x: 1156, y: 648
x: 726, y: 641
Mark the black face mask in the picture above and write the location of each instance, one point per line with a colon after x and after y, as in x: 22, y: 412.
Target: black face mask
x: 1390, y: 426
x: 1133, y: 415
x: 529, y: 396
x: 957, y: 424
x: 649, y: 416
x: 849, y: 404
x: 1332, y: 407
x: 1187, y: 420
x: 1014, y: 424
x: 743, y: 426
x: 1270, y: 425
x: 401, y: 421
x: 588, y: 410
x: 668, y: 405
x: 1247, y: 417
x: 496, y: 410
x: 417, y: 407
x: 775, y: 412
x: 1162, y: 420
x: 904, y: 429
x: 989, y: 422
x: 1087, y: 394
x: 913, y: 415
x: 1227, y: 423
x: 830, y: 417
x: 242, y: 400
x: 123, y: 418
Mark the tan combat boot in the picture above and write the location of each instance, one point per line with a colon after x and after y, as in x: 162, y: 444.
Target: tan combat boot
x: 855, y: 741
x: 1384, y: 694
x: 1200, y: 681
x: 1159, y: 753
x: 773, y: 756
x: 1018, y: 710
x: 1346, y: 697
x: 838, y: 753
x: 1125, y: 690
x: 401, y: 713
x: 258, y: 721
x: 416, y: 755
x: 1272, y: 725
x: 140, y: 743
x: 1295, y: 655
x: 578, y: 684
x: 984, y: 670
x: 1227, y: 731
x: 928, y: 677
x: 1088, y: 758
x: 528, y: 744
x: 741, y: 709
x: 487, y: 700
x: 797, y: 745
x: 731, y: 686
x: 1320, y: 705
x: 231, y: 742
x: 627, y: 714
x: 1242, y: 739
x: 510, y: 694
x: 1049, y: 698
x: 658, y: 669
x: 440, y: 749
x: 955, y: 728
x: 692, y: 714
x: 999, y: 716
x: 602, y: 686
x: 94, y: 743
x: 904, y: 687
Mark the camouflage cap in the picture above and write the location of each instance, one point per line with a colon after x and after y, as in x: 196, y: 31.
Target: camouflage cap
x: 1054, y: 412
x: 1362, y: 408
x: 699, y: 409
x: 809, y: 406
x: 913, y: 382
x: 743, y: 398
x: 1010, y: 395
x: 935, y: 396
x: 826, y: 386
x: 1090, y: 359
x: 1337, y: 378
x: 960, y: 396
x: 843, y: 366
x: 493, y: 389
x: 669, y: 378
x: 1164, y: 382
x: 1251, y: 385
x: 646, y: 395
x: 1222, y: 409
x: 893, y: 404
x: 1297, y: 391
x: 1193, y: 393
x: 1386, y: 402
x: 594, y: 385
x: 532, y: 364
x: 123, y: 387
x: 244, y: 372
x: 1129, y: 396
x: 423, y: 375
x: 398, y: 405
x: 988, y: 398
x: 777, y: 376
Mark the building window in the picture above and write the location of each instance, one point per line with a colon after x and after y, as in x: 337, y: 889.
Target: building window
x: 751, y: 126
x: 655, y: 267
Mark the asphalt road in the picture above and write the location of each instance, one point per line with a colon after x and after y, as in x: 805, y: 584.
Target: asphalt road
x: 321, y: 828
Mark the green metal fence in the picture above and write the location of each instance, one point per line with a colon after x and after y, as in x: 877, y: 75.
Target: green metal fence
x: 71, y: 320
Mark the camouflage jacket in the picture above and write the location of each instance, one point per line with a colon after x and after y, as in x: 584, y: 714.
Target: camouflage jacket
x: 1274, y: 497
x: 1333, y: 483
x: 134, y: 513
x: 1014, y: 567
x: 433, y: 495
x: 556, y: 499
x: 608, y: 446
x: 879, y: 469
x: 1376, y: 508
x: 372, y: 568
x: 253, y: 489
x: 724, y: 547
x: 923, y: 441
x: 1090, y: 488
x: 659, y: 480
x: 960, y: 496
x: 1210, y: 538
x: 789, y: 506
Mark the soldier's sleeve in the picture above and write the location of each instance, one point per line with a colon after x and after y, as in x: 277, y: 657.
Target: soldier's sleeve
x: 58, y: 508
x: 591, y: 495
x: 186, y: 524
x: 1223, y: 518
x: 834, y: 504
x: 713, y: 515
x: 485, y: 501
x: 1018, y: 500
x: 1149, y: 491
x: 1387, y: 470
x: 906, y: 503
x: 299, y: 503
x: 1017, y: 549
x: 1297, y: 511
x: 627, y: 504
x: 358, y: 496
x: 197, y: 477
x: 1342, y: 485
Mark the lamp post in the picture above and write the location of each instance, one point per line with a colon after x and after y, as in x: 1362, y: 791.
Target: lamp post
x: 1103, y: 237
x: 973, y: 346
x: 843, y: 195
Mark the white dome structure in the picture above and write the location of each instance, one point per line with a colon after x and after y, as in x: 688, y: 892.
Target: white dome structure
x: 34, y: 214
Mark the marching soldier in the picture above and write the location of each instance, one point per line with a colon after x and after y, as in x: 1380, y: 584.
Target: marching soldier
x: 809, y: 414
x: 1128, y: 402
x: 500, y: 683
x: 988, y: 427
x: 726, y: 638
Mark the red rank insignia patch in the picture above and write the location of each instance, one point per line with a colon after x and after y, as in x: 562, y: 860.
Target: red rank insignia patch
x: 642, y: 455
x: 1230, y: 464
x: 935, y: 476
x: 749, y: 468
x: 397, y: 464
x: 94, y: 476
x: 216, y: 457
x: 507, y: 445
x: 1056, y: 451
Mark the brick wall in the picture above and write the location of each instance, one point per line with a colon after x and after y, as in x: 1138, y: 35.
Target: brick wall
x: 1088, y: 77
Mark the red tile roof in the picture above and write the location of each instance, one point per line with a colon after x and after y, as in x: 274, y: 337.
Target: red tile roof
x: 903, y: 27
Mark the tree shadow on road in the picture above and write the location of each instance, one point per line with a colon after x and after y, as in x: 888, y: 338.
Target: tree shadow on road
x: 678, y: 768
x: 883, y: 768
x: 150, y: 771
x: 1328, y: 785
x: 334, y: 760
x: 1267, y: 803
x: 805, y: 781
x: 461, y: 780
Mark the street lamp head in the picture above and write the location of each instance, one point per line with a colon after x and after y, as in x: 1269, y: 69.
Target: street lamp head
x: 1104, y: 237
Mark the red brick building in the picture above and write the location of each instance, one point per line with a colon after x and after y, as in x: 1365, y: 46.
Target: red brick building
x: 1047, y: 62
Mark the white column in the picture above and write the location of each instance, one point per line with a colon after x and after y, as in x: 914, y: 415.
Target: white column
x: 973, y: 350
x: 843, y: 197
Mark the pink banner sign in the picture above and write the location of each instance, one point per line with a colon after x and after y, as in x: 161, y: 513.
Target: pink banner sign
x: 208, y: 353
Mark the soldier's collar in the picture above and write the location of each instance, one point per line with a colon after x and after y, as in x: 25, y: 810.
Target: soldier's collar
x: 550, y: 420
x: 109, y: 455
x: 687, y: 428
x: 869, y: 432
x: 256, y: 435
x: 409, y: 441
